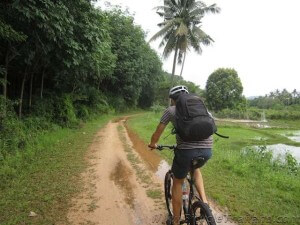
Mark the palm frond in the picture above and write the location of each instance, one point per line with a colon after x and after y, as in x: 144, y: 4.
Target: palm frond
x: 170, y: 46
x: 202, y: 11
x: 165, y: 29
x: 194, y: 42
x: 202, y: 36
x: 182, y: 30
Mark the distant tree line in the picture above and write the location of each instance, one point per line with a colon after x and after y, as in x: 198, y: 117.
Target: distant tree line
x: 277, y: 100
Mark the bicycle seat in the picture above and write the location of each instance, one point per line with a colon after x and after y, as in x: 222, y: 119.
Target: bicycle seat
x: 197, y: 162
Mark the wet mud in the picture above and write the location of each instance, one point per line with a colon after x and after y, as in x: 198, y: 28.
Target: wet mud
x: 121, y: 176
x: 152, y: 159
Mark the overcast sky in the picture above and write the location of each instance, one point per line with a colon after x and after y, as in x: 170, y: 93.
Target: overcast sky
x: 258, y: 38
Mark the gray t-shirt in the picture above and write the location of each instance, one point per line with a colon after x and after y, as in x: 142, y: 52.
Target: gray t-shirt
x: 169, y: 115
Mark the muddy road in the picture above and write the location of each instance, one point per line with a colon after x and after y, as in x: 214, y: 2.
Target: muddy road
x: 123, y: 183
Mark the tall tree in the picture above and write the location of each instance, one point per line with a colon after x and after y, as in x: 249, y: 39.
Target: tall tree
x: 224, y: 90
x: 181, y: 27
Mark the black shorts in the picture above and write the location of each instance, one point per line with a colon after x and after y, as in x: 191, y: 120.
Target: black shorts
x: 183, y: 158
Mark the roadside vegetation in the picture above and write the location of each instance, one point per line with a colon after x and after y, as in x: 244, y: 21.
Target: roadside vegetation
x: 252, y: 185
x: 45, y: 175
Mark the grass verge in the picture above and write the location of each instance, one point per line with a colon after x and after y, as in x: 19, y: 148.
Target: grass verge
x: 253, y: 189
x: 45, y: 176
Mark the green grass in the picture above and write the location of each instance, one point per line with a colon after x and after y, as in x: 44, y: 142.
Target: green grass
x: 45, y: 176
x: 247, y: 184
x: 154, y: 193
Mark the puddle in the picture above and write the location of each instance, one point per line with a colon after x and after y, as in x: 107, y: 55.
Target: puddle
x: 279, y: 151
x: 120, y: 175
x: 162, y: 169
x: 152, y: 159
x: 294, y: 137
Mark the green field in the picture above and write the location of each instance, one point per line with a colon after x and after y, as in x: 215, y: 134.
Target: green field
x: 255, y: 189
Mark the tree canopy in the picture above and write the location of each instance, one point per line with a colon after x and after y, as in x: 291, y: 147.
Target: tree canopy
x: 181, y: 27
x: 53, y: 48
x: 224, y: 90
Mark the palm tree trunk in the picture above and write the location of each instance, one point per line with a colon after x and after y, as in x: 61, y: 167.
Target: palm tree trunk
x: 182, y: 64
x: 22, y: 93
x: 174, y: 64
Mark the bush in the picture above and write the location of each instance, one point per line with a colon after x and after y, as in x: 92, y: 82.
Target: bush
x: 82, y: 112
x: 35, y: 125
x: 12, y: 130
x: 12, y: 135
x: 157, y: 108
x: 91, y: 101
x: 64, y: 111
x: 118, y: 103
x: 44, y: 108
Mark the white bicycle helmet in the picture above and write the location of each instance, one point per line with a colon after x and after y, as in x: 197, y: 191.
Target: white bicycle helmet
x: 177, y: 89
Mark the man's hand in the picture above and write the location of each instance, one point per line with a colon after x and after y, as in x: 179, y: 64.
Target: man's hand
x: 152, y: 146
x: 156, y: 135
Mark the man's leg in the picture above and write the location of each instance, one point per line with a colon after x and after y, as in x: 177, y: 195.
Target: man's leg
x: 177, y: 199
x: 200, y: 185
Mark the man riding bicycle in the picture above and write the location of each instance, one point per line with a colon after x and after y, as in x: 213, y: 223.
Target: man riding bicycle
x: 184, y: 153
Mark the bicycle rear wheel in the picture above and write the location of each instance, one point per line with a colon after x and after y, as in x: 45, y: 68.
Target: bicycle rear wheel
x: 168, y: 192
x: 203, y: 214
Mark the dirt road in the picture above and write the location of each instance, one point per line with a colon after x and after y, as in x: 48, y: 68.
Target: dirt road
x: 123, y: 183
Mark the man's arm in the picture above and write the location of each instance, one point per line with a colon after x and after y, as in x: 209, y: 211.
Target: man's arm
x: 156, y: 135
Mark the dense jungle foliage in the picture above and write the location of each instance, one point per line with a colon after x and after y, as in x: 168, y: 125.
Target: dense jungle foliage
x: 62, y: 62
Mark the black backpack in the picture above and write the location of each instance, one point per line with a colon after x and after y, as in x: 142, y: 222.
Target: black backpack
x: 192, y: 120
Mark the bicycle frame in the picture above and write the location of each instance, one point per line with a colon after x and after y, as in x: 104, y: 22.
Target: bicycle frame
x: 188, y: 212
x: 193, y: 204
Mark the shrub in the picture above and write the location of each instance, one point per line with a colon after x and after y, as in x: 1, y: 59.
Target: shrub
x: 82, y: 112
x: 44, y: 108
x: 12, y: 135
x: 157, y: 108
x: 118, y: 103
x: 64, y: 111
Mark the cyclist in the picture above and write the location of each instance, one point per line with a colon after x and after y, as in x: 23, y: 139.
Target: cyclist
x: 184, y: 154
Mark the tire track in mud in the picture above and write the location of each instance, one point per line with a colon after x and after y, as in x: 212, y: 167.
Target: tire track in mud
x: 117, y: 187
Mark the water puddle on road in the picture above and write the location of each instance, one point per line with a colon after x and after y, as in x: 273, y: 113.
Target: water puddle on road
x: 154, y: 162
x: 121, y: 177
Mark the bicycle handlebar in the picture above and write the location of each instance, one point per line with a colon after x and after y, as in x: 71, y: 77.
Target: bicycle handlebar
x: 161, y: 147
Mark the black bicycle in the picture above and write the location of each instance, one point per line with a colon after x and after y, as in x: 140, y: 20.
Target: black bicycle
x: 195, y: 211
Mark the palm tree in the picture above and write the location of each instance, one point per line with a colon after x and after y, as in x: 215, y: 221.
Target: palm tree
x: 294, y: 93
x: 181, y: 28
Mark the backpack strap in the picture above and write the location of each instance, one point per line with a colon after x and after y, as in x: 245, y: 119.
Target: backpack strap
x: 222, y: 136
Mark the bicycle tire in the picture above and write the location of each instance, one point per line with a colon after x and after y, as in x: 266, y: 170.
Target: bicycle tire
x: 168, y: 192
x: 202, y: 213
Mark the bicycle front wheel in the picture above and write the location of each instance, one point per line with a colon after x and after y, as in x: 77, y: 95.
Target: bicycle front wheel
x: 168, y: 192
x: 202, y: 214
